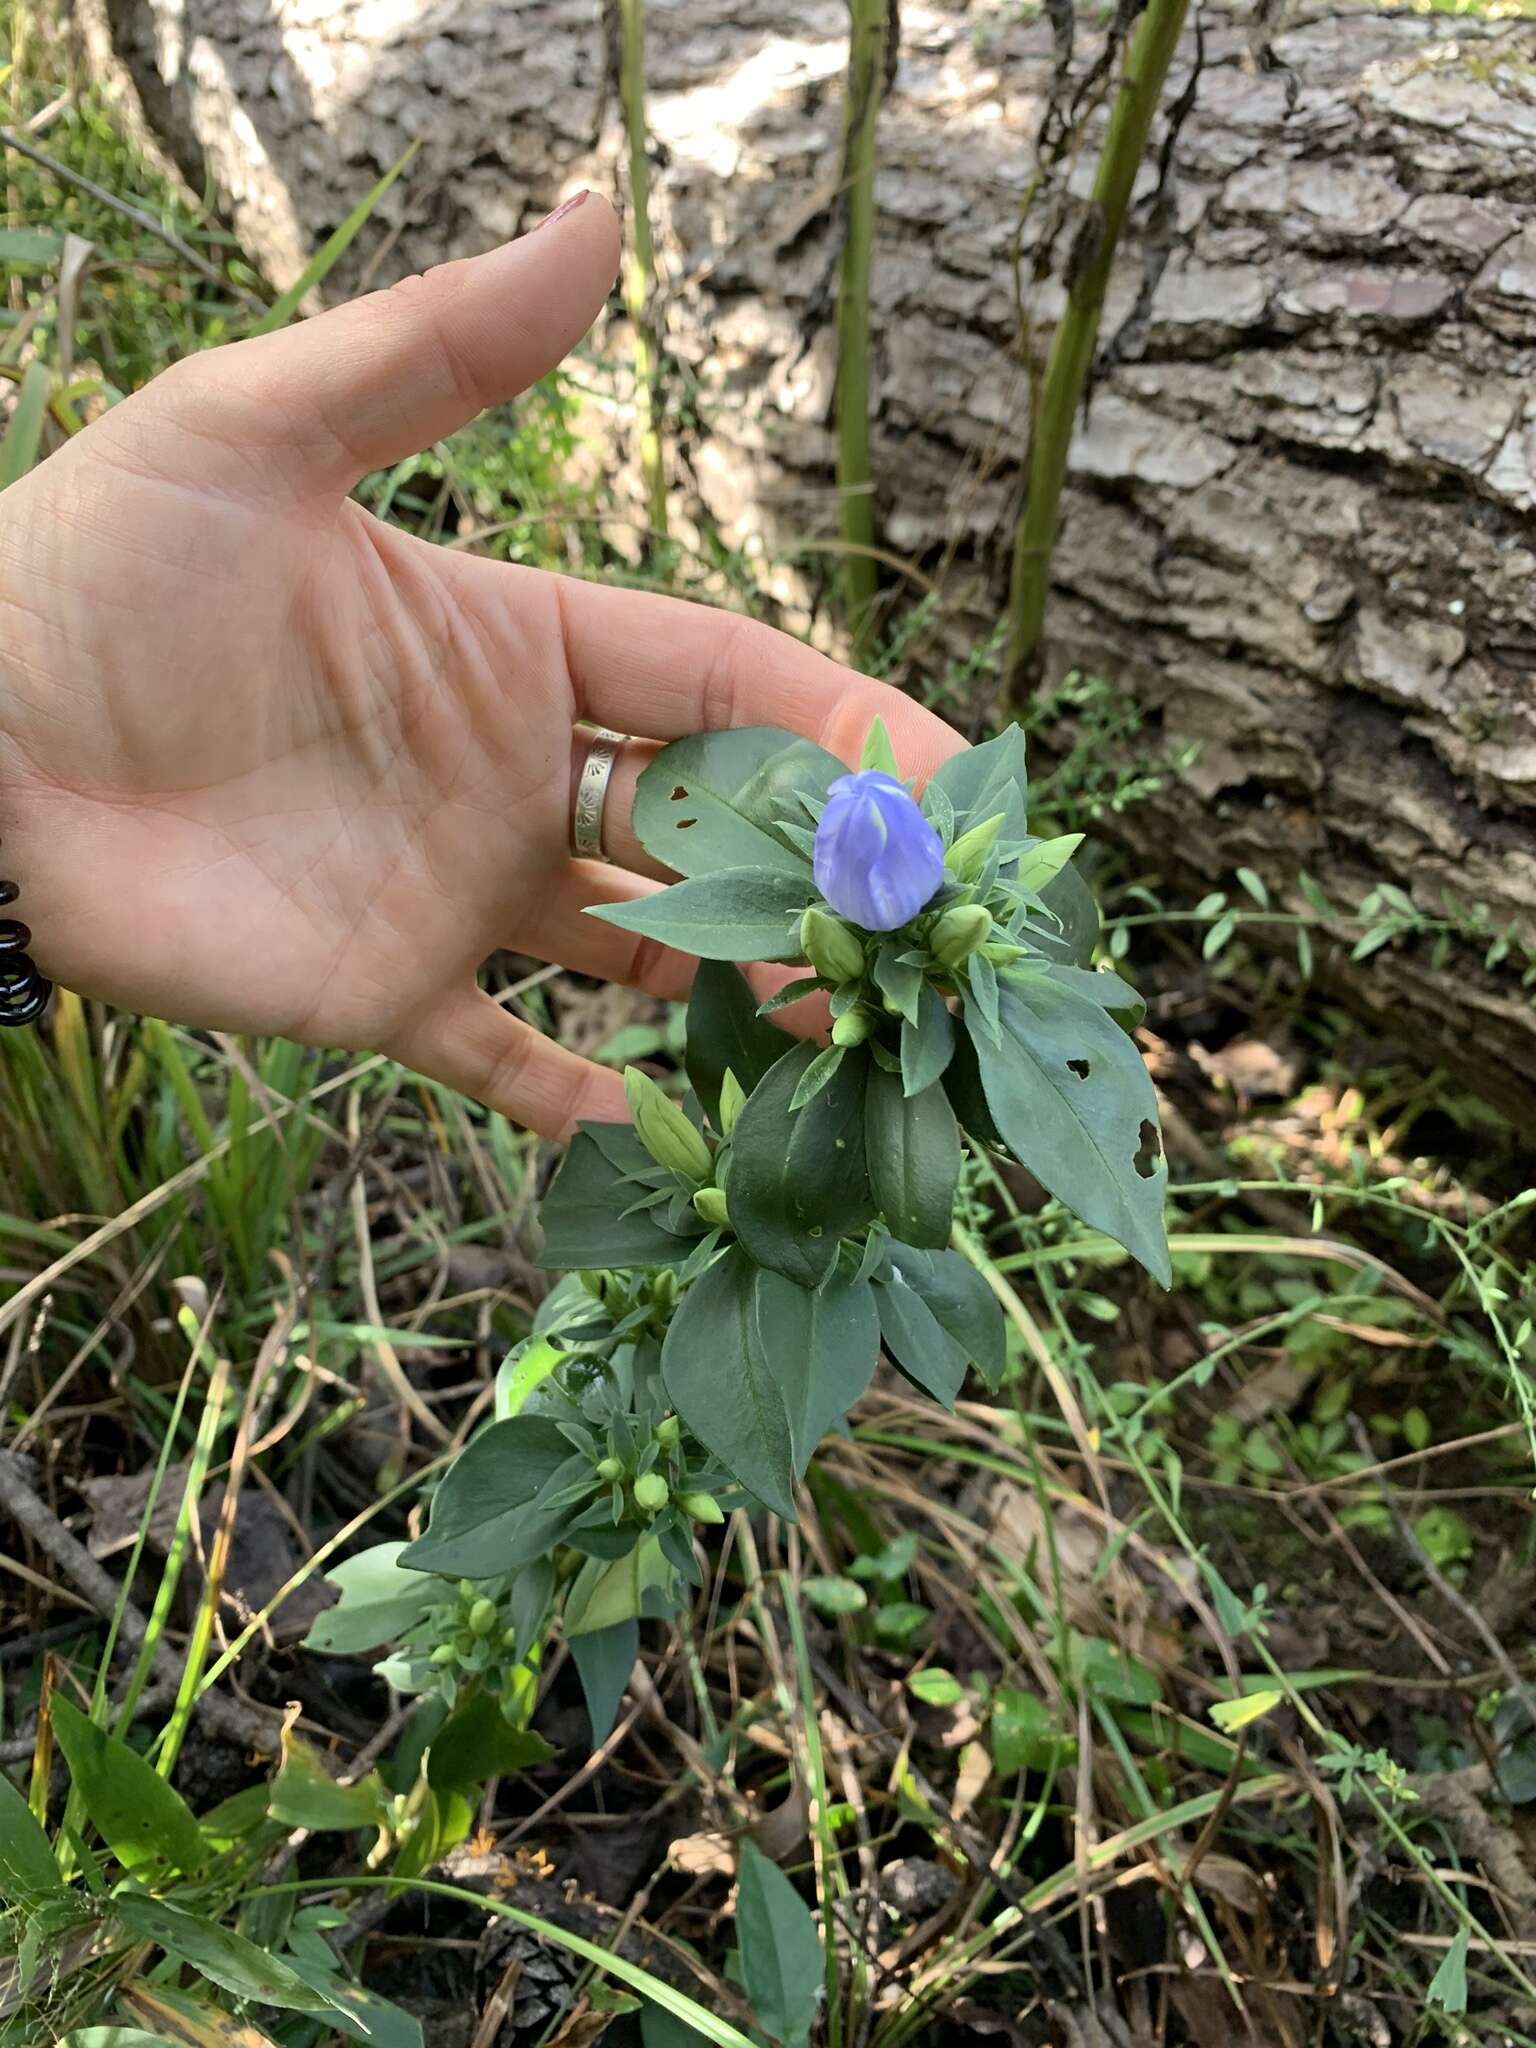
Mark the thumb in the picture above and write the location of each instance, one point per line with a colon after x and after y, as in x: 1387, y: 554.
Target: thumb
x: 328, y: 400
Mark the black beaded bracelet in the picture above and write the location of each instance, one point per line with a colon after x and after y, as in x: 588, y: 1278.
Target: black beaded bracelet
x: 23, y: 991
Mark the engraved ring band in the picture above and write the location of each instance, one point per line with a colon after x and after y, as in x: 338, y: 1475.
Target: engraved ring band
x: 592, y: 794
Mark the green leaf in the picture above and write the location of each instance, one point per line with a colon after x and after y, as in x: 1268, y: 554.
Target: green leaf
x: 608, y: 1592
x: 1448, y: 1986
x: 912, y: 1148
x: 726, y: 1033
x: 960, y: 1301
x: 918, y: 1342
x: 818, y: 1075
x: 878, y: 751
x: 928, y: 1046
x: 1230, y: 1715
x: 1022, y: 1735
x: 137, y: 1814
x: 781, y: 1959
x: 798, y: 1182
x: 478, y: 1742
x: 962, y: 1084
x: 834, y: 1596
x: 986, y: 780
x: 899, y: 981
x: 712, y: 801
x: 603, y: 1663
x: 219, y: 1954
x: 721, y: 1385
x: 1069, y: 1093
x: 485, y: 1515
x: 1070, y: 901
x: 379, y: 1602
x: 1045, y: 860
x: 305, y: 1795
x: 820, y: 1347
x: 735, y: 914
x: 28, y: 1873
x: 330, y: 252
x: 24, y: 432
x: 1112, y: 992
x: 936, y: 1687
x: 583, y: 1214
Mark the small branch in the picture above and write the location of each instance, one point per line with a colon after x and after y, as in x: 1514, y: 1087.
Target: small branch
x: 640, y: 263
x: 867, y: 42
x: 1072, y: 347
x: 253, y: 1728
x: 10, y: 140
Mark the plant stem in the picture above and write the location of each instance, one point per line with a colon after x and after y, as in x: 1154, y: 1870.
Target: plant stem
x: 866, y: 72
x: 640, y: 261
x: 1071, y: 357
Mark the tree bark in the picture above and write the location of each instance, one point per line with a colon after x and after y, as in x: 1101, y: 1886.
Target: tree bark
x: 1298, y: 518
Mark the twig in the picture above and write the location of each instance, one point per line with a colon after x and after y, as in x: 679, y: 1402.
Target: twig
x: 1450, y: 1594
x: 251, y: 1727
x: 10, y: 140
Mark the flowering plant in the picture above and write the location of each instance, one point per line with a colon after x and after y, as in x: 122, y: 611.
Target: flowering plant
x: 737, y: 1262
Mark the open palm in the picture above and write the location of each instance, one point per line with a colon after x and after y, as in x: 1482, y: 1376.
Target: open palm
x: 268, y: 764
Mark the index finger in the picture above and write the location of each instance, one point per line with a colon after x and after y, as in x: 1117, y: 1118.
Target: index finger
x: 662, y: 668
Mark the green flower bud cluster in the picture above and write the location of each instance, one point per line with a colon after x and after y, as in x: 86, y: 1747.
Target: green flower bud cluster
x: 470, y: 1632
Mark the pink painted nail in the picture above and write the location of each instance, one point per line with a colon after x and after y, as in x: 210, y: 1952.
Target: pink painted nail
x: 569, y: 206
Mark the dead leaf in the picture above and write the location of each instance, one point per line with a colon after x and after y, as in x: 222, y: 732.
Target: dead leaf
x: 703, y: 1855
x: 1111, y: 1601
x: 189, y: 2022
x: 975, y: 1769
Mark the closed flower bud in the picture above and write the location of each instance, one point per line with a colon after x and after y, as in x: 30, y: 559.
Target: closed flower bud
x: 445, y: 1653
x: 853, y: 1027
x: 482, y: 1617
x: 733, y: 1100
x: 878, y: 860
x: 664, y: 1130
x: 651, y: 1492
x: 668, y: 1430
x: 710, y: 1204
x: 609, y: 1469
x: 959, y: 932
x: 701, y: 1507
x: 828, y: 944
x: 968, y: 856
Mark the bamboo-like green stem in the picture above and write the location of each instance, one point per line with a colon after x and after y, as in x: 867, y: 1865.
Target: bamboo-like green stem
x: 640, y: 260
x: 1141, y: 87
x: 869, y: 26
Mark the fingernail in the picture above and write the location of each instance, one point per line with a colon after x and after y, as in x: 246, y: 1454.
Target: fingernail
x: 568, y: 206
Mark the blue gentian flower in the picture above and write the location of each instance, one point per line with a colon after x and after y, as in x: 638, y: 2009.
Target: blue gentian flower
x: 878, y: 860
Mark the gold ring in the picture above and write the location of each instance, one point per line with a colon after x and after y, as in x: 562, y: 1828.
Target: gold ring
x: 592, y: 794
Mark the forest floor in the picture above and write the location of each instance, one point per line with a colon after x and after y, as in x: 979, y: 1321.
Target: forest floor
x: 1040, y: 1782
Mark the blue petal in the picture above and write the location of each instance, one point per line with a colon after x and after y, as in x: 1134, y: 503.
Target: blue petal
x: 878, y: 860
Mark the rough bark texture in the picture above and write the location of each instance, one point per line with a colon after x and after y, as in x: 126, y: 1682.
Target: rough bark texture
x: 1299, y: 519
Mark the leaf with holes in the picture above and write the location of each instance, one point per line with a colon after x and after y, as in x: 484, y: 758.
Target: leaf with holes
x: 1075, y: 1105
x: 716, y: 800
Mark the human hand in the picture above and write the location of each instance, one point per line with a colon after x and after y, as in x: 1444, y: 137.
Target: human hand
x: 270, y: 765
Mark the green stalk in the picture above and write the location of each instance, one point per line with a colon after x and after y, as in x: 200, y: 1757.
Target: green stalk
x: 640, y: 260
x: 1071, y: 357
x: 861, y: 108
